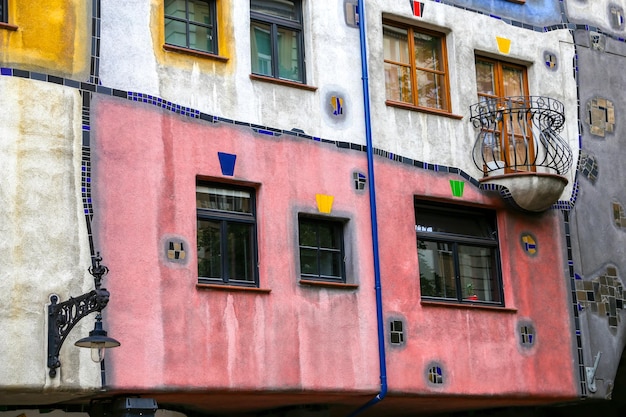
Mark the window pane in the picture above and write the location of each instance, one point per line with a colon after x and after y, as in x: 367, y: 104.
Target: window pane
x: 283, y: 8
x: 288, y: 54
x: 238, y: 201
x: 513, y: 82
x: 396, y: 44
x: 175, y: 33
x: 328, y: 236
x: 427, y: 52
x: 307, y: 234
x: 200, y: 12
x: 436, y: 265
x: 321, y: 248
x: 458, y: 223
x: 478, y: 272
x: 174, y: 8
x: 330, y: 264
x: 261, y: 48
x: 209, y: 249
x: 398, y: 83
x: 240, y: 252
x: 200, y: 38
x: 430, y: 90
x: 308, y: 262
x: 485, y: 78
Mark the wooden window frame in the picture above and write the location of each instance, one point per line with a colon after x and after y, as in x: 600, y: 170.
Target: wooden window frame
x: 413, y: 68
x: 499, y: 67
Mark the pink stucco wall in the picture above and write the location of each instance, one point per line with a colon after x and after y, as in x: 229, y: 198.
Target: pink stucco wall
x: 176, y: 335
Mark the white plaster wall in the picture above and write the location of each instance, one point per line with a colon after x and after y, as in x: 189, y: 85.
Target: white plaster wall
x: 594, y: 13
x: 332, y: 62
x: 43, y: 238
x: 441, y: 140
x: 333, y: 65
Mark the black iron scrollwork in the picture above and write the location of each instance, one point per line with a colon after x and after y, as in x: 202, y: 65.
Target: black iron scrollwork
x: 520, y: 134
x: 62, y: 317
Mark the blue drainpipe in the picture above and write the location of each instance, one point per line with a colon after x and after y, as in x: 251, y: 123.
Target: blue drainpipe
x: 372, y: 193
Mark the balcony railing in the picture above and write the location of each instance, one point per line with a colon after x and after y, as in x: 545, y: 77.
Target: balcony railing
x: 520, y: 134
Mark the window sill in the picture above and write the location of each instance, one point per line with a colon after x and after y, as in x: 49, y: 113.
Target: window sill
x: 337, y: 285
x: 282, y: 82
x: 8, y: 26
x: 200, y: 54
x: 407, y: 106
x: 232, y: 288
x: 471, y: 306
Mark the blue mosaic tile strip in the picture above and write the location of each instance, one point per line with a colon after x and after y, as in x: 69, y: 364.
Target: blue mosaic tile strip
x: 88, y: 89
x: 263, y: 131
x: 166, y: 105
x: 493, y: 16
x: 94, y: 74
x: 573, y: 276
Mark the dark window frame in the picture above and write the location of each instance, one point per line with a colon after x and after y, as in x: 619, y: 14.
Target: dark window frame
x: 276, y: 22
x: 338, y: 227
x: 225, y: 218
x: 489, y: 241
x: 211, y: 27
x: 4, y: 12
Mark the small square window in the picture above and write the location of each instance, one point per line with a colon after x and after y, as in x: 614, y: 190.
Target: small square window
x: 191, y: 24
x: 227, y: 241
x: 458, y: 254
x: 415, y: 66
x: 321, y: 249
x: 276, y: 41
x: 397, y: 334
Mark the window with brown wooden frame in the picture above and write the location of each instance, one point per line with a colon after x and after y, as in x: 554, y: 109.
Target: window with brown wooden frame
x: 416, y: 71
x: 503, y: 87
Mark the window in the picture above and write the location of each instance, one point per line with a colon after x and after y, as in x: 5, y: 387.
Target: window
x: 226, y: 235
x: 191, y: 24
x: 3, y: 11
x: 415, y: 67
x: 276, y: 39
x: 458, y: 254
x: 503, y: 86
x: 321, y: 249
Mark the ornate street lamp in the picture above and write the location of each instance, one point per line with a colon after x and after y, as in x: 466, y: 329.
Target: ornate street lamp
x: 62, y: 317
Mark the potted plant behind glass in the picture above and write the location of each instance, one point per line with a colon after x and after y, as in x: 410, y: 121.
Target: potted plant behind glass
x: 471, y: 295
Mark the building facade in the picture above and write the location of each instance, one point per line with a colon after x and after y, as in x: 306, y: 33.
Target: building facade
x: 311, y: 208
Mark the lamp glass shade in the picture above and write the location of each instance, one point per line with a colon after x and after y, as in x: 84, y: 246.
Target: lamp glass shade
x: 97, y: 341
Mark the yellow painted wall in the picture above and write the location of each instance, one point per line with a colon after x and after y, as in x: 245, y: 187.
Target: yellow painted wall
x: 52, y: 36
x: 225, y: 39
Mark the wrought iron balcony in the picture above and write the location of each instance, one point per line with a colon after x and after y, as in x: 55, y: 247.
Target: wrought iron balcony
x: 520, y: 134
x: 518, y: 137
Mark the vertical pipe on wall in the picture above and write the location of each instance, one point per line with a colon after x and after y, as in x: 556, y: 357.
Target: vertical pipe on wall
x: 374, y: 220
